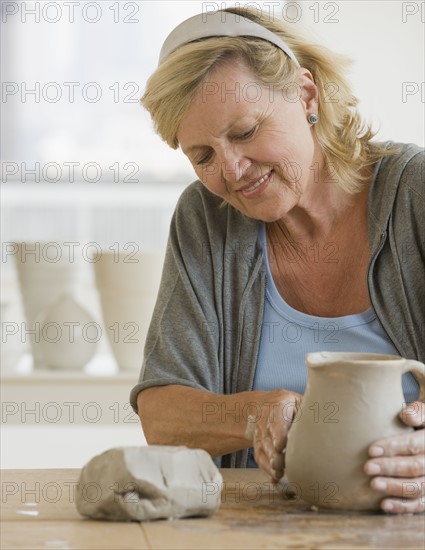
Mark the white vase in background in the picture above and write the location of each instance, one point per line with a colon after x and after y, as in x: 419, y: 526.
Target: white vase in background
x: 69, y: 335
x: 11, y: 345
x: 128, y: 287
x: 45, y: 272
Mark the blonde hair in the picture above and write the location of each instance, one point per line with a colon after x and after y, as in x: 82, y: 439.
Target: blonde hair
x: 345, y: 139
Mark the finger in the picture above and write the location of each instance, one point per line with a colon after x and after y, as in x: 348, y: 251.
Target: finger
x: 277, y: 475
x: 400, y: 506
x: 266, y: 455
x: 279, y: 421
x: 278, y: 463
x: 277, y: 426
x: 273, y: 466
x: 278, y: 436
x: 265, y: 464
x: 279, y: 442
x: 412, y: 443
x: 413, y: 414
x: 401, y: 466
x: 263, y: 441
x: 272, y: 438
x: 264, y: 452
x: 407, y: 489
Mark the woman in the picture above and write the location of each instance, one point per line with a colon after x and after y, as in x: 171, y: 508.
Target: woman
x: 292, y: 241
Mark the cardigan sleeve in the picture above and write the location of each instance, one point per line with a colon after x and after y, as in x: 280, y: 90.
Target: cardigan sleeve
x: 182, y: 344
x: 398, y: 269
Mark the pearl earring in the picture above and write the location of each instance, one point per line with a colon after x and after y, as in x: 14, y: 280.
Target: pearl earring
x: 312, y: 118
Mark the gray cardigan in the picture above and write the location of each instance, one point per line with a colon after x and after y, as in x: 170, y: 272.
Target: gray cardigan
x: 206, y: 326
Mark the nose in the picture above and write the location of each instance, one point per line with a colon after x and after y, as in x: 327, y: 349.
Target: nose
x: 233, y: 164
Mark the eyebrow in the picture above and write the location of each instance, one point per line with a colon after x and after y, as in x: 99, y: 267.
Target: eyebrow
x: 194, y: 151
x: 194, y: 148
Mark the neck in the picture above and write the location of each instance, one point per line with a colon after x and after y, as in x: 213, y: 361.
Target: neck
x: 321, y: 212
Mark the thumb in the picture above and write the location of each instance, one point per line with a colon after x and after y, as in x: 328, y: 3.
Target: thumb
x: 413, y: 414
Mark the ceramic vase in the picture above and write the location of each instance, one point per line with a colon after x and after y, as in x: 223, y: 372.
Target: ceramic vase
x: 128, y: 288
x: 45, y: 272
x: 11, y: 345
x: 351, y: 400
x: 69, y: 335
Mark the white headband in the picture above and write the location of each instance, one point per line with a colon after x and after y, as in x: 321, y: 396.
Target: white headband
x: 207, y: 25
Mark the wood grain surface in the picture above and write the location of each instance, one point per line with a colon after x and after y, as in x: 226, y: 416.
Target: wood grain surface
x: 38, y: 511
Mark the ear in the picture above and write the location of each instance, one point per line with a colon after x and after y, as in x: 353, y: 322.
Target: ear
x: 309, y: 92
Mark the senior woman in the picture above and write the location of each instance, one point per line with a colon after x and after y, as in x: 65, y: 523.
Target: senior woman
x: 301, y: 234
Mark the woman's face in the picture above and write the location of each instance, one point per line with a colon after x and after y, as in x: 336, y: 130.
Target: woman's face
x: 252, y: 145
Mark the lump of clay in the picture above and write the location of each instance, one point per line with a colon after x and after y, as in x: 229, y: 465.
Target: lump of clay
x: 145, y: 483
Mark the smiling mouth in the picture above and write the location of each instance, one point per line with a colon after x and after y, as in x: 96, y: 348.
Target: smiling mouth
x: 256, y: 185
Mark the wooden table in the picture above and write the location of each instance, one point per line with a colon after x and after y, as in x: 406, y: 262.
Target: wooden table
x: 38, y: 511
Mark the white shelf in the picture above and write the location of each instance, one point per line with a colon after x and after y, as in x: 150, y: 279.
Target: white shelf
x: 62, y: 419
x: 102, y: 368
x: 43, y: 376
x: 52, y: 397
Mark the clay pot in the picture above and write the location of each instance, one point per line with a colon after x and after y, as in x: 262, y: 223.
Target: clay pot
x: 45, y: 272
x: 128, y: 288
x: 351, y: 400
x: 12, y: 347
x: 68, y: 335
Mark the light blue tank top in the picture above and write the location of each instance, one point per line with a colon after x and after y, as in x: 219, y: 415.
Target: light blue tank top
x: 287, y: 335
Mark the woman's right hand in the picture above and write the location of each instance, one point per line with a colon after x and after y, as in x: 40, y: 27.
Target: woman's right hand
x: 269, y: 431
x: 181, y: 415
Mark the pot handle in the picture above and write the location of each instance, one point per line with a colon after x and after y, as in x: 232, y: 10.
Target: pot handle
x: 418, y: 370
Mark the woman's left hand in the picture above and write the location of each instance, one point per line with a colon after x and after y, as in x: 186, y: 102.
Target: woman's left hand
x: 398, y: 465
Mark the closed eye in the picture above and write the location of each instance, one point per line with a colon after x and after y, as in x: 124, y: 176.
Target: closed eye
x: 204, y: 159
x: 248, y: 134
x: 241, y: 137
